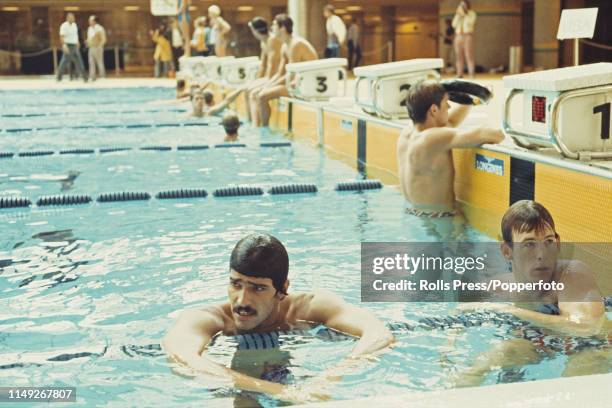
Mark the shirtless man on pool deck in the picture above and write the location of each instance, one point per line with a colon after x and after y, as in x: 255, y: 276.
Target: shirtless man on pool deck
x: 269, y: 60
x: 258, y: 302
x: 424, y: 150
x: 294, y: 49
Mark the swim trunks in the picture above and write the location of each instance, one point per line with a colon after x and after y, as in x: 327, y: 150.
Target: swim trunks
x: 431, y: 213
x: 561, y: 344
x: 180, y: 15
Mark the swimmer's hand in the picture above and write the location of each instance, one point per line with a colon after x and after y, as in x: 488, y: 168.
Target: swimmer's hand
x: 303, y: 394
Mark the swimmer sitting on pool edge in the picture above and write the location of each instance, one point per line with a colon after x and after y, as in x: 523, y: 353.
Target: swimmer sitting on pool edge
x: 259, y: 302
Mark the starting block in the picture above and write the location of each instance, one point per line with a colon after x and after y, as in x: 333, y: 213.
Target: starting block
x: 317, y: 80
x: 566, y: 108
x: 194, y: 68
x: 238, y: 71
x: 214, y: 70
x: 388, y: 84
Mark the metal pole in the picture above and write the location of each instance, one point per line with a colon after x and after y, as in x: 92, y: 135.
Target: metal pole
x: 576, y: 51
x: 55, y: 60
x: 116, y: 60
x: 389, y: 51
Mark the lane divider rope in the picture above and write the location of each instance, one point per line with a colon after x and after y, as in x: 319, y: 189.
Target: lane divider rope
x: 185, y: 193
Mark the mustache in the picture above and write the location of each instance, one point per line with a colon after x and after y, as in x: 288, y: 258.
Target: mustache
x: 247, y: 309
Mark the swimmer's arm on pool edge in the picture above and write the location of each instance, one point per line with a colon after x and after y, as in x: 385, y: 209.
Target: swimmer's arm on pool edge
x: 225, y: 103
x: 186, y: 343
x: 443, y: 139
x: 582, y: 310
x: 331, y: 310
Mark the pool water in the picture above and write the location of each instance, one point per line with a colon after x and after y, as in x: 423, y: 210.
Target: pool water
x: 89, y: 291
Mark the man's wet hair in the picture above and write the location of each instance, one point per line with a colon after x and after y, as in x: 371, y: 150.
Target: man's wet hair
x: 261, y: 256
x: 421, y: 96
x: 260, y: 25
x: 283, y: 20
x: 208, y: 97
x: 180, y: 84
x: 525, y: 216
x: 231, y: 123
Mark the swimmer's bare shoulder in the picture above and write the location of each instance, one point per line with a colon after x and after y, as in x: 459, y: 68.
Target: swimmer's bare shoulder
x: 296, y: 305
x: 579, y: 280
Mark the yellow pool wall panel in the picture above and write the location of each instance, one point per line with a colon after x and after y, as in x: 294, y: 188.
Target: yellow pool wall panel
x: 340, y: 137
x: 304, y: 122
x: 579, y: 203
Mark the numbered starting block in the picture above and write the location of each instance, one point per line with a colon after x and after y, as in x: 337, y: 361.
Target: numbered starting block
x: 239, y: 71
x: 317, y: 80
x: 566, y: 108
x: 214, y: 68
x: 195, y: 68
x: 388, y: 84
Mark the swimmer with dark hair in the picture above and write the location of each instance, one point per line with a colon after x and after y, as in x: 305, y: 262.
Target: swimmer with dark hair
x: 182, y: 93
x: 180, y: 89
x: 231, y: 124
x: 424, y: 150
x: 531, y: 245
x: 259, y: 301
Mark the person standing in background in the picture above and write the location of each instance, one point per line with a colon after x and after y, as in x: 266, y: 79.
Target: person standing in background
x: 198, y: 42
x: 184, y: 20
x: 447, y: 44
x: 463, y: 23
x: 177, y: 43
x: 69, y: 37
x: 354, y: 50
x: 96, y: 39
x: 163, y: 52
x: 336, y: 32
x: 219, y: 30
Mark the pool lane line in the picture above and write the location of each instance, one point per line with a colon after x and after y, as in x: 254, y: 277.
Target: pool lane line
x: 111, y: 126
x: 47, y: 114
x: 185, y: 193
x: 113, y: 149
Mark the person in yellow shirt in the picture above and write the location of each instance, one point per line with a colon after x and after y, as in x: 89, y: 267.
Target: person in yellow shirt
x: 198, y: 43
x: 163, y: 52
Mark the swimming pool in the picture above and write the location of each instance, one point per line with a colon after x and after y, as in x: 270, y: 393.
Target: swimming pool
x: 88, y: 291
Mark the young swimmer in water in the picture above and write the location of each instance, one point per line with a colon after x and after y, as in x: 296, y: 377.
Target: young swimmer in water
x: 532, y: 245
x: 231, y: 124
x: 259, y: 302
x: 424, y: 150
x: 203, y: 105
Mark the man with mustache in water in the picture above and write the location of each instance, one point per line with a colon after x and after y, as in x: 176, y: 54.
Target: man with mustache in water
x: 259, y: 303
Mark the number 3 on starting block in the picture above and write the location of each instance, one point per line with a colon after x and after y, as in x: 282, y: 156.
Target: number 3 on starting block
x: 317, y: 80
